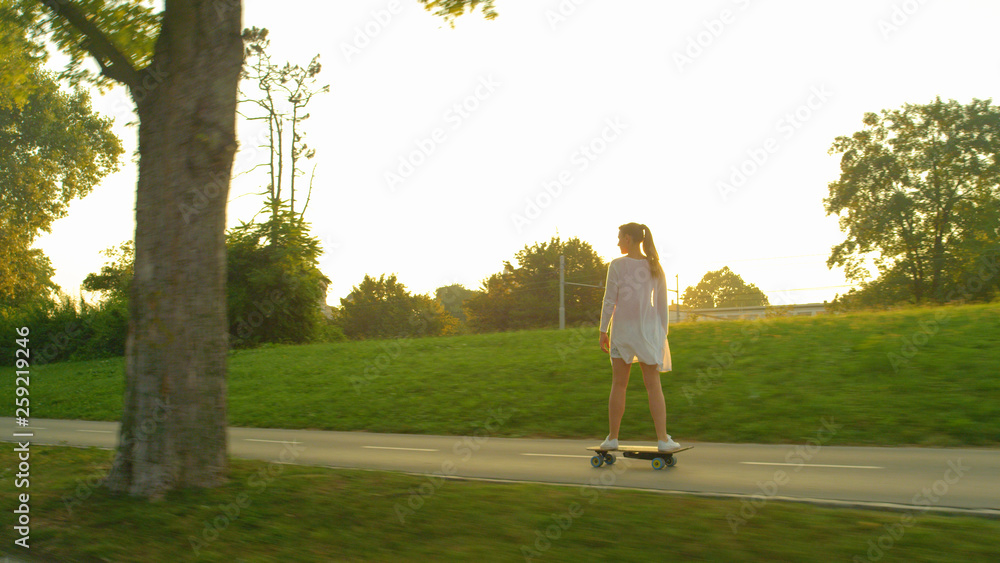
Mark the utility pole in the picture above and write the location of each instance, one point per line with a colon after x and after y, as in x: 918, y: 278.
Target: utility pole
x: 677, y: 303
x: 562, y: 292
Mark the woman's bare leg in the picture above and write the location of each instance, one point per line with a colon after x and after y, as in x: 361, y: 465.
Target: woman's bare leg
x: 657, y: 405
x: 616, y: 402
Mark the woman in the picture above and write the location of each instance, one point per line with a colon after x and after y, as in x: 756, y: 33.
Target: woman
x: 635, y: 311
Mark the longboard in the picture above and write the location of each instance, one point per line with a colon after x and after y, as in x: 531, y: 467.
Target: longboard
x: 659, y: 459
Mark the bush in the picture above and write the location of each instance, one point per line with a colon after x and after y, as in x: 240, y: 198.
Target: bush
x: 276, y: 291
x: 63, y: 330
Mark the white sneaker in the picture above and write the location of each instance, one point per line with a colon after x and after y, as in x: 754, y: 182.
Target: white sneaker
x: 667, y: 446
x: 609, y: 444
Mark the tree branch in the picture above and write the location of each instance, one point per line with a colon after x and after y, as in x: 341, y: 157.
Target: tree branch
x: 309, y: 195
x: 114, y: 64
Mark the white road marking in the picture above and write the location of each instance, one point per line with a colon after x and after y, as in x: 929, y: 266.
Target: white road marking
x: 814, y: 465
x: 556, y: 455
x: 272, y: 441
x: 403, y: 449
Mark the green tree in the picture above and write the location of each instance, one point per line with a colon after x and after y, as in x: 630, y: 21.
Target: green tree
x: 723, y: 288
x: 274, y: 266
x: 490, y: 309
x: 383, y: 308
x: 527, y: 296
x: 53, y: 149
x: 115, y: 278
x: 452, y: 297
x: 276, y: 291
x: 25, y: 274
x: 919, y: 196
x: 282, y: 95
x: 20, y: 58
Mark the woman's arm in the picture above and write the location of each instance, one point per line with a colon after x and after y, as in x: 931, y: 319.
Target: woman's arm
x: 610, y: 300
x: 662, y: 305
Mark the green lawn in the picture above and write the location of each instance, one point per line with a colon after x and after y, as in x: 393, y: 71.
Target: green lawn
x: 924, y: 377
x: 270, y: 512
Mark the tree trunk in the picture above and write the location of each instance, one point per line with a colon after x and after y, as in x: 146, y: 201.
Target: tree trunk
x: 173, y: 429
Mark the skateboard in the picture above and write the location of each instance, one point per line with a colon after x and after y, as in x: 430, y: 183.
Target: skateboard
x: 660, y: 459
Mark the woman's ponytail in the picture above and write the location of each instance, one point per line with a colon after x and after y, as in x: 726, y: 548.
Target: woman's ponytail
x: 649, y: 249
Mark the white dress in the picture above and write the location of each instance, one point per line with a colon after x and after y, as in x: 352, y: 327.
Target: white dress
x: 636, y: 311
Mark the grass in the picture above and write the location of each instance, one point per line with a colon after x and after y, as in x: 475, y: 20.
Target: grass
x: 270, y: 512
x: 924, y: 377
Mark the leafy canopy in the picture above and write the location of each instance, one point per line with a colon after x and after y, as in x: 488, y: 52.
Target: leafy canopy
x: 119, y: 35
x: 53, y: 149
x: 527, y: 295
x: 723, y: 288
x: 276, y: 290
x: 452, y: 9
x: 384, y: 308
x: 20, y: 57
x: 115, y: 277
x: 919, y: 196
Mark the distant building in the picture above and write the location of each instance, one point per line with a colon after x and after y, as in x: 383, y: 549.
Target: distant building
x: 748, y: 313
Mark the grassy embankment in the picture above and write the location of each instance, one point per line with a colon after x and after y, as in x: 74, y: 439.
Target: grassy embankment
x: 926, y: 377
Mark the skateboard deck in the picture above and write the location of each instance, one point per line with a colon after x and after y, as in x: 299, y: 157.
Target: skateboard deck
x: 659, y: 459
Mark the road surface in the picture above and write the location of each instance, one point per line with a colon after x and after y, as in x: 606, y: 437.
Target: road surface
x: 956, y: 480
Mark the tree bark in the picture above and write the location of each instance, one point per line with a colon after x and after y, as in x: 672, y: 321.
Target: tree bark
x: 173, y: 429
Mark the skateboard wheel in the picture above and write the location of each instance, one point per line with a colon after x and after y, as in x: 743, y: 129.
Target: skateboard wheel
x: 597, y: 461
x: 609, y: 459
x: 671, y: 461
x: 658, y: 463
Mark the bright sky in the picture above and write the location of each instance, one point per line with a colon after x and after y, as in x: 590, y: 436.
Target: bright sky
x: 442, y: 152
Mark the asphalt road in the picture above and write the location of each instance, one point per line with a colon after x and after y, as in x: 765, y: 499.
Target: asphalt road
x: 959, y: 480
